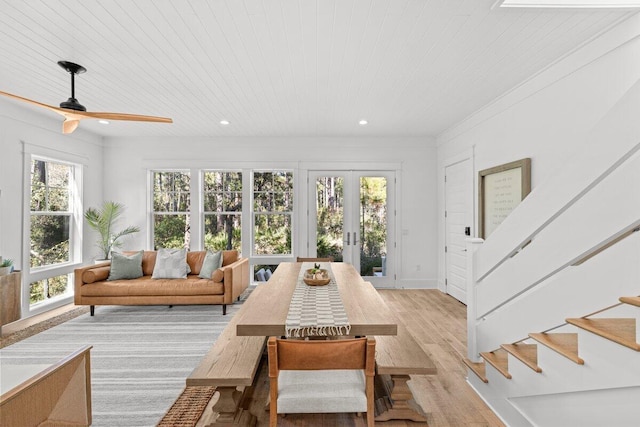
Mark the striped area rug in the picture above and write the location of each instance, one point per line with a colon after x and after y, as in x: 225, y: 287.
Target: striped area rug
x: 140, y: 359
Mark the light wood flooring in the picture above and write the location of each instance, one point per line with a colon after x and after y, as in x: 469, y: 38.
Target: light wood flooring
x: 438, y: 323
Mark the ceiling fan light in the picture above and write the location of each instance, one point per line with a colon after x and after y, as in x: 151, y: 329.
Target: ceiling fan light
x: 363, y: 122
x: 224, y: 122
x: 103, y: 122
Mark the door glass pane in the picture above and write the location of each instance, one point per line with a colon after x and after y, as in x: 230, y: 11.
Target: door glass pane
x: 373, y: 226
x: 330, y: 217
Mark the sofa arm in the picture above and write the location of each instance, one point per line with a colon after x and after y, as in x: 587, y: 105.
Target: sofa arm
x: 236, y: 279
x: 78, y: 282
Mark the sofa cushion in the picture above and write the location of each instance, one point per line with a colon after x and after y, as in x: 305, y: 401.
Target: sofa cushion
x: 212, y: 262
x: 148, y: 262
x: 195, y: 260
x: 229, y: 257
x: 95, y: 274
x: 125, y: 266
x: 146, y: 286
x: 170, y: 264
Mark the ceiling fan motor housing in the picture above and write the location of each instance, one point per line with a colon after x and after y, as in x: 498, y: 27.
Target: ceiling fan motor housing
x: 73, y: 69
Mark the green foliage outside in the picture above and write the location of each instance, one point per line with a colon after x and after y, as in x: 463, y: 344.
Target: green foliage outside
x: 373, y: 220
x: 50, y: 223
x: 48, y: 288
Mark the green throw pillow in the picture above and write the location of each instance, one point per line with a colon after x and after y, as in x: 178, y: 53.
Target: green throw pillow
x: 125, y: 266
x: 212, y: 262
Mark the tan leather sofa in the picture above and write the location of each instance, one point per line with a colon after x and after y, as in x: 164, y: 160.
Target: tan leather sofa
x: 225, y: 286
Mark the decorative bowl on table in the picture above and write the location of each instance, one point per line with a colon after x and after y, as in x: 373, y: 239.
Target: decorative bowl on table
x: 316, y: 277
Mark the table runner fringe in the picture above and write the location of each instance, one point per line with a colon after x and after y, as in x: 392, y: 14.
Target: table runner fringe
x: 307, y: 331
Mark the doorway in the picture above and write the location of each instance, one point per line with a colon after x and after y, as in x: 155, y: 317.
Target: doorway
x: 352, y: 219
x: 458, y: 226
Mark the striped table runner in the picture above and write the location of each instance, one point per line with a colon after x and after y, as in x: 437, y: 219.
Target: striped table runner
x: 316, y: 310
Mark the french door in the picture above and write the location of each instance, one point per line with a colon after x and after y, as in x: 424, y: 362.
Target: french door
x: 352, y: 219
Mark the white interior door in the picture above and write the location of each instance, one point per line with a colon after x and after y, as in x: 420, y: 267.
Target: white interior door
x: 458, y: 226
x: 352, y: 219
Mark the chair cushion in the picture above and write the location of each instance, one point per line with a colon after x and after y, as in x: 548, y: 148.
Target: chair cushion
x: 327, y: 391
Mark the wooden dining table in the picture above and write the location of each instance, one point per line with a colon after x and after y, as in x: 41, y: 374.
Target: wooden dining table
x: 398, y: 355
x: 366, y: 311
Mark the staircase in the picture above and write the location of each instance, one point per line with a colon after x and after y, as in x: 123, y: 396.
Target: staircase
x: 553, y: 305
x: 621, y: 331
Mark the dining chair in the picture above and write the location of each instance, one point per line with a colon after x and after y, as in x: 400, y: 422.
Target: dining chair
x: 321, y: 377
x: 325, y: 259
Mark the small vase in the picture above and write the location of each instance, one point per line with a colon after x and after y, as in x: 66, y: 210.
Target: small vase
x: 5, y: 270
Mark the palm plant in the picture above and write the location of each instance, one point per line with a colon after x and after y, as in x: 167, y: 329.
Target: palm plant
x: 102, y: 220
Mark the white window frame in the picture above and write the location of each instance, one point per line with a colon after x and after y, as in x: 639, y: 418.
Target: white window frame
x: 76, y: 215
x: 194, y: 191
x: 240, y: 213
x: 272, y: 258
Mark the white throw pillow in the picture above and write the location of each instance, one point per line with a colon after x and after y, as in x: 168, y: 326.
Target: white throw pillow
x: 170, y: 264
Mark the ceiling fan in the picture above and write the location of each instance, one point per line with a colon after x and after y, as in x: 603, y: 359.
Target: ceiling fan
x: 73, y: 111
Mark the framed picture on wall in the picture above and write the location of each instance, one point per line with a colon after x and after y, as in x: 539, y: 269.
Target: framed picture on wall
x: 501, y: 189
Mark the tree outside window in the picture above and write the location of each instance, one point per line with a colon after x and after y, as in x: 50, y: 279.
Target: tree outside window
x: 51, y: 222
x: 222, y: 201
x: 171, y: 209
x: 272, y: 212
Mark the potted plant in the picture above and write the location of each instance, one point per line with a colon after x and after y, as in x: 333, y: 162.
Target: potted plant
x: 102, y: 220
x: 6, y: 266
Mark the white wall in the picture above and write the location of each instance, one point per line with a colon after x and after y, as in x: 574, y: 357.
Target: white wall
x: 127, y: 162
x: 548, y: 117
x: 20, y: 125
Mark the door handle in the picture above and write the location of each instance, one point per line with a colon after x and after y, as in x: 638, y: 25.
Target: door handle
x: 348, y: 238
x: 355, y: 239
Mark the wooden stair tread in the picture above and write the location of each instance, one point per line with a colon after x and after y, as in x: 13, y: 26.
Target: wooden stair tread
x: 621, y: 331
x: 477, y: 368
x: 631, y: 300
x: 499, y: 360
x: 526, y: 353
x: 565, y: 344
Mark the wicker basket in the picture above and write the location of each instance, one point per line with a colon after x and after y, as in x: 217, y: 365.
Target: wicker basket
x: 311, y: 281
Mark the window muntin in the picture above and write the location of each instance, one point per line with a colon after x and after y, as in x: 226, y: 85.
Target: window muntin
x: 272, y: 212
x: 171, y: 209
x: 222, y: 200
x: 50, y: 287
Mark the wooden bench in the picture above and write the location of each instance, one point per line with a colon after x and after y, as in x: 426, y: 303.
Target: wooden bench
x: 231, y: 367
x: 397, y: 357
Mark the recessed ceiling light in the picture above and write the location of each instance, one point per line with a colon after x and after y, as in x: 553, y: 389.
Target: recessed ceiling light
x: 103, y: 122
x: 570, y: 3
x: 362, y: 122
x: 224, y: 122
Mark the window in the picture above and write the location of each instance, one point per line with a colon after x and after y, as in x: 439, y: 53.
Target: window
x: 53, y: 192
x: 222, y: 210
x: 171, y: 209
x: 272, y: 212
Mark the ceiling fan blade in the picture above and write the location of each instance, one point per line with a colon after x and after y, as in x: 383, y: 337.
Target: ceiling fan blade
x: 31, y: 101
x: 69, y: 125
x: 121, y: 116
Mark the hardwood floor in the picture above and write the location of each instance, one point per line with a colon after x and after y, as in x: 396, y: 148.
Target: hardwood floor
x: 438, y: 323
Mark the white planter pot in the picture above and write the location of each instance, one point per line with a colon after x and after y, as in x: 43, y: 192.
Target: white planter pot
x: 5, y: 270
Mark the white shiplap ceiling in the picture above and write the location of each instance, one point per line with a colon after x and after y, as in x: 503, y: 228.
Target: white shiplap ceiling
x: 283, y: 67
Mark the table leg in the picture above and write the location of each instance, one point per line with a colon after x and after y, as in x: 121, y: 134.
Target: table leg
x: 230, y: 408
x: 394, y: 400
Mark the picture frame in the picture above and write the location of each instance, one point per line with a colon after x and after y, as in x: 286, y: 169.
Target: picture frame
x: 500, y: 190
